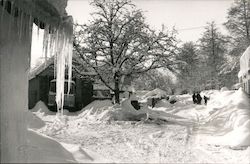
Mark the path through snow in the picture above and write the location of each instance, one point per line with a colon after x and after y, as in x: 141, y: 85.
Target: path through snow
x: 153, y: 141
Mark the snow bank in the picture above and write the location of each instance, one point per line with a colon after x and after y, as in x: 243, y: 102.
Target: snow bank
x: 141, y: 93
x: 96, y: 105
x: 156, y: 93
x: 104, y: 111
x: 84, y: 155
x: 95, y: 110
x: 33, y: 122
x: 41, y: 109
x: 229, y: 119
x: 210, y: 92
x: 163, y: 103
x: 224, y: 89
x: 42, y: 149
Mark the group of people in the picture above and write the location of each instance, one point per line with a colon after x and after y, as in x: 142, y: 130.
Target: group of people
x: 197, y: 98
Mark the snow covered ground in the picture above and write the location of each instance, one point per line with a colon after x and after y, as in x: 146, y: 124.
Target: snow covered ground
x: 168, y: 133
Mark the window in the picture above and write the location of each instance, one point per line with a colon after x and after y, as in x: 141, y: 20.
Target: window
x: 72, y: 87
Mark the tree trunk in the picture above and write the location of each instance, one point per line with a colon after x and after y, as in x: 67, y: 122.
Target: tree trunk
x: 117, y: 90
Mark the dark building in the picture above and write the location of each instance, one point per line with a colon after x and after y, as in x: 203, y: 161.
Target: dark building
x: 42, y: 87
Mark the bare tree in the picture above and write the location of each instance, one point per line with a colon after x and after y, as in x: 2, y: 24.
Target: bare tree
x: 118, y: 43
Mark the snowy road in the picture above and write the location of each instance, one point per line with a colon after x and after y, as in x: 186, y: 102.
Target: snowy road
x: 156, y: 141
x: 129, y: 142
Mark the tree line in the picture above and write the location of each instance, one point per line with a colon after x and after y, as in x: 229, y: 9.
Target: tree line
x: 118, y: 44
x: 213, y: 61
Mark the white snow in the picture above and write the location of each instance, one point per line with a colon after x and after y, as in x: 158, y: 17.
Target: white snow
x: 41, y: 109
x: 43, y: 149
x: 218, y: 132
x: 228, y: 119
x: 224, y: 89
x: 33, y: 121
x: 156, y: 93
x: 244, y: 63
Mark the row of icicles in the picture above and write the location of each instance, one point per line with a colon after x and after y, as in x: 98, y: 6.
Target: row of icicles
x: 57, y: 42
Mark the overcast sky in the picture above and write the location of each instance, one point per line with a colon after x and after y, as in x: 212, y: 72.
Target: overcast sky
x: 188, y: 16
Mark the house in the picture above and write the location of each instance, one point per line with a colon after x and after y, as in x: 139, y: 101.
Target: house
x: 244, y: 73
x: 16, y: 22
x: 101, y: 92
x: 42, y: 86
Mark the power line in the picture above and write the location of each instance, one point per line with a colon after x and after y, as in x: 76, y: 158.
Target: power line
x: 196, y: 27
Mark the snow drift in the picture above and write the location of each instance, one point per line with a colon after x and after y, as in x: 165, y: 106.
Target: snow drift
x: 42, y: 149
x: 33, y: 121
x: 41, y: 109
x: 156, y: 93
x: 229, y: 119
x: 104, y: 111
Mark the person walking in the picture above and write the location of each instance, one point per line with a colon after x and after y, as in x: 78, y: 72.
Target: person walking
x: 199, y: 98
x: 205, y: 99
x: 194, y: 98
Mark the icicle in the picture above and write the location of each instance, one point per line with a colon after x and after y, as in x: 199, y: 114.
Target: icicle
x: 70, y: 54
x: 18, y: 21
x: 60, y: 78
x: 38, y: 29
x: 21, y: 25
x: 11, y: 17
x: 60, y: 65
x: 55, y: 51
x: 3, y: 10
x: 45, y: 42
x: 63, y: 57
x: 52, y: 42
x: 30, y: 25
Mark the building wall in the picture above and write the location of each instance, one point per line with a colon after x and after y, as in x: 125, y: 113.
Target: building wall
x: 87, y: 92
x: 44, y: 83
x: 14, y: 68
x: 40, y: 85
x: 33, y: 92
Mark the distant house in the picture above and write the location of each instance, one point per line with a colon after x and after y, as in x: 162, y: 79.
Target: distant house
x: 101, y: 92
x: 244, y: 74
x: 42, y: 86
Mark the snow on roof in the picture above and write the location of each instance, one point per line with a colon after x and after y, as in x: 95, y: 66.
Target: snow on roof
x: 244, y: 63
x: 50, y: 62
x: 98, y: 86
x: 37, y: 70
